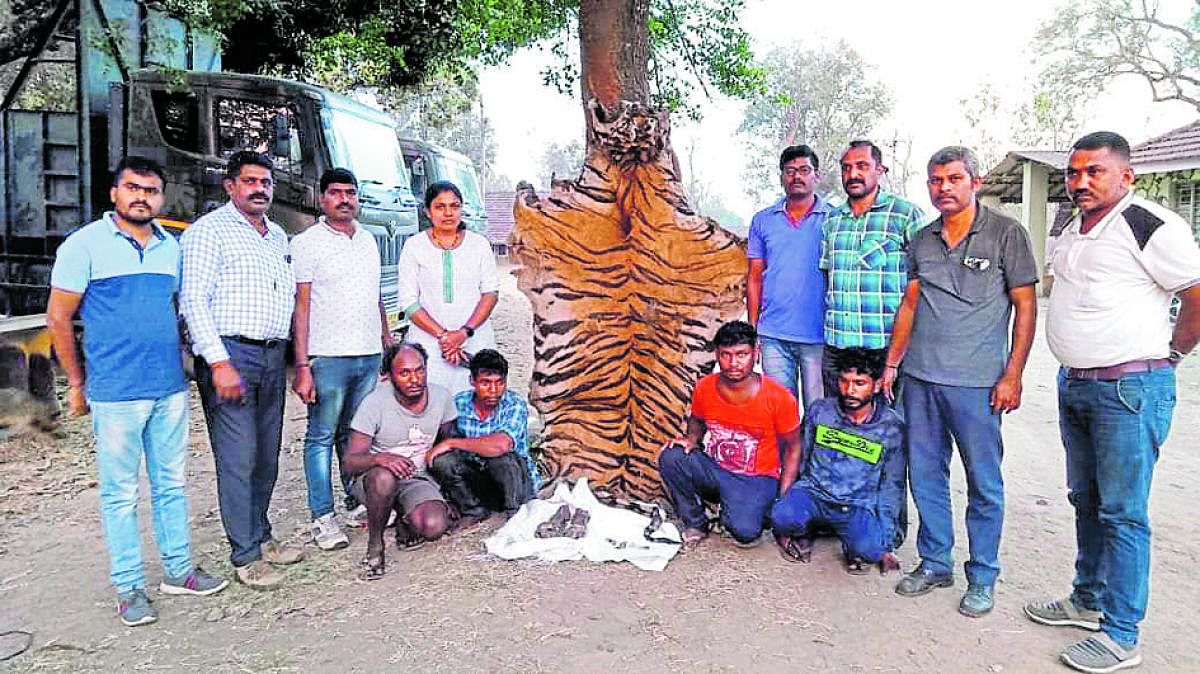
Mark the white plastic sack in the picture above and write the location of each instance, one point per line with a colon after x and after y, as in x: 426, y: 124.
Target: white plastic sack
x: 613, y: 534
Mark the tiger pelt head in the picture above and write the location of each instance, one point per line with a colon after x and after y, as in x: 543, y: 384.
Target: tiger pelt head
x: 632, y: 136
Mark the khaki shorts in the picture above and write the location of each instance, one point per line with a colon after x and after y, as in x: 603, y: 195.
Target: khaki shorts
x: 411, y: 493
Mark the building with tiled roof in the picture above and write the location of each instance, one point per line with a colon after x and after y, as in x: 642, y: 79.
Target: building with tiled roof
x: 1168, y: 171
x: 499, y: 207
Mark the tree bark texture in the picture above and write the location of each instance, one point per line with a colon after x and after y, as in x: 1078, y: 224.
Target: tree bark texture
x: 613, y: 47
x: 628, y: 286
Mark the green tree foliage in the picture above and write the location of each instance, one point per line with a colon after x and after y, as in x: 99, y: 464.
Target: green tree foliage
x: 822, y: 97
x: 561, y: 161
x: 1092, y: 41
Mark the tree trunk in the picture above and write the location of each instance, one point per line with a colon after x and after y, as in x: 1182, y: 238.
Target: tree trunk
x: 628, y: 285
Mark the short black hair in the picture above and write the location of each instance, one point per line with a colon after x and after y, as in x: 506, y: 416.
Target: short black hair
x: 337, y: 175
x: 241, y: 158
x: 1099, y: 140
x: 142, y: 166
x: 735, y: 333
x: 876, y: 153
x: 863, y: 361
x: 798, y: 151
x: 488, y: 360
x: 389, y: 355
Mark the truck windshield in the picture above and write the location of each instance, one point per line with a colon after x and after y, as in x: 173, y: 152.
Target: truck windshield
x: 464, y: 177
x: 370, y: 149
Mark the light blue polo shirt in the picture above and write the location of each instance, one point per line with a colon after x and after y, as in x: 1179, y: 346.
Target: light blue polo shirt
x: 793, y: 288
x: 130, y: 330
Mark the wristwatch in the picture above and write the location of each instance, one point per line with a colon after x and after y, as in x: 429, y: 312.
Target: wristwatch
x: 469, y: 330
x: 1176, y: 356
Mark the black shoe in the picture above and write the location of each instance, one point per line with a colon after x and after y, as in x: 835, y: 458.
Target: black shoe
x: 919, y: 581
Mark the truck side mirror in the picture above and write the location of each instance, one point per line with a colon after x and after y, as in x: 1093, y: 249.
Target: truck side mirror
x: 418, y: 167
x: 283, y: 136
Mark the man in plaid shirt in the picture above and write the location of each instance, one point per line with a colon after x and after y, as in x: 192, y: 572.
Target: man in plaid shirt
x: 863, y: 253
x: 492, y: 449
x: 237, y: 296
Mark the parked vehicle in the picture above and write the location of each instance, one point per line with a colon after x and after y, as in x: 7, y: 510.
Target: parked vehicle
x: 56, y: 165
x: 428, y: 163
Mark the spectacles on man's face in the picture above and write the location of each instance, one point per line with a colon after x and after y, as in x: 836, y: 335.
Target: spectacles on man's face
x: 147, y: 190
x: 792, y: 172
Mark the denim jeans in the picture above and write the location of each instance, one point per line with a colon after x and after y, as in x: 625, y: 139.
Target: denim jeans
x: 341, y: 383
x: 782, y: 359
x: 124, y: 432
x: 245, y: 437
x: 858, y: 528
x: 1112, y: 431
x: 693, y: 476
x: 936, y: 414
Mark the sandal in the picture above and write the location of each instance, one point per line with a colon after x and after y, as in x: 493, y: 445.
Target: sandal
x: 406, y: 539
x: 692, y: 538
x: 577, y: 527
x: 373, y: 567
x: 556, y: 526
x: 857, y: 566
x: 796, y: 550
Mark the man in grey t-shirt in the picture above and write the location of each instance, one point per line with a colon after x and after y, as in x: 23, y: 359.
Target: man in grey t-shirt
x: 393, y: 429
x: 967, y: 272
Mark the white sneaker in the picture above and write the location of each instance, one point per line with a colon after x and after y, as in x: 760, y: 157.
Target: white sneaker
x: 357, y: 518
x: 327, y: 534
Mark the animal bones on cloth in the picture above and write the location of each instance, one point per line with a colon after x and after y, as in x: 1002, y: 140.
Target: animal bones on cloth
x: 612, y: 535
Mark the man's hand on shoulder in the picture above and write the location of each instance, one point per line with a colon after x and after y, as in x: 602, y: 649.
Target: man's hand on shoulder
x: 436, y: 451
x: 678, y: 443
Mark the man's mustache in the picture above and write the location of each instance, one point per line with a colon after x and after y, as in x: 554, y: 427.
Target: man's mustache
x: 260, y: 195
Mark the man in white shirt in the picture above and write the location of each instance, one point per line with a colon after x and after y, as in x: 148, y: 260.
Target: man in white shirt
x: 339, y: 332
x: 1116, y: 267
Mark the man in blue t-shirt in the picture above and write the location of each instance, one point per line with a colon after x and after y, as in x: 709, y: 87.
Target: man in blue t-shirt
x: 122, y: 272
x: 785, y: 289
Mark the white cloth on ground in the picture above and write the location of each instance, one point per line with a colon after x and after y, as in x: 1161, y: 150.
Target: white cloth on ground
x: 613, y: 534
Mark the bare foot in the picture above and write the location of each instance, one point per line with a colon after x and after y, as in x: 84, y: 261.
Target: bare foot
x: 692, y: 538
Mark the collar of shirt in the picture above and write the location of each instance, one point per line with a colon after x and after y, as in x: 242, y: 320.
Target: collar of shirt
x: 982, y: 214
x: 159, y: 233
x: 883, y: 200
x: 820, y: 205
x: 238, y: 215
x: 324, y: 222
x: 1117, y: 211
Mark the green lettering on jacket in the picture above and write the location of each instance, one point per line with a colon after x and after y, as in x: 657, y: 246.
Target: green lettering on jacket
x: 849, y: 444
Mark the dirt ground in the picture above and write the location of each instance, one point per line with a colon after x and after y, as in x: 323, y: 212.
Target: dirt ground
x: 450, y: 607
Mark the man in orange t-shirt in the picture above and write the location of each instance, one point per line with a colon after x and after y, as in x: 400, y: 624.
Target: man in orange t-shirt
x: 748, y: 418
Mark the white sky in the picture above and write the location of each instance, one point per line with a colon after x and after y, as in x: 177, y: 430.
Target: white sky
x: 931, y: 53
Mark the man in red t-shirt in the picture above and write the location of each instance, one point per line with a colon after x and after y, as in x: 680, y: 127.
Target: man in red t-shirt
x: 747, y: 418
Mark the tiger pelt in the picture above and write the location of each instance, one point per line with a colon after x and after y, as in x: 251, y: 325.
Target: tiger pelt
x: 628, y: 285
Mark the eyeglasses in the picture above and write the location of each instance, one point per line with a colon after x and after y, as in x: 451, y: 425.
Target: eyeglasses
x: 791, y: 172
x: 147, y: 190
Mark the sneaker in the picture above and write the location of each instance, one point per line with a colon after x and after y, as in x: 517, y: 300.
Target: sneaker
x: 134, y: 608
x: 356, y: 518
x: 1099, y: 654
x: 197, y: 583
x: 281, y: 553
x: 258, y: 575
x: 1063, y: 613
x: 977, y: 602
x: 919, y: 581
x: 327, y: 534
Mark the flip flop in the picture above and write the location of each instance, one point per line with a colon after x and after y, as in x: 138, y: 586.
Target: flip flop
x: 692, y: 538
x: 796, y: 550
x: 857, y: 566
x: 373, y: 567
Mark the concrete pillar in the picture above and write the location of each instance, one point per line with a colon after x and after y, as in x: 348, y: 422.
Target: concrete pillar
x: 1035, y: 190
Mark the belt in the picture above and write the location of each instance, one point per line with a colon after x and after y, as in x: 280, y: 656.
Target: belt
x: 264, y: 343
x: 1117, y: 371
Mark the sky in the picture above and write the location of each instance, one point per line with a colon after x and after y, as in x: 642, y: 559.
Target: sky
x: 932, y: 55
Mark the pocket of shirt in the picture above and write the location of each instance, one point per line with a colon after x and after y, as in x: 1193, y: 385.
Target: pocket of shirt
x: 873, y: 251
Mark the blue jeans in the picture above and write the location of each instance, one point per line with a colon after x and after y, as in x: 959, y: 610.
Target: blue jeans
x: 245, y: 437
x: 782, y: 359
x: 124, y: 432
x: 858, y: 528
x: 693, y: 476
x: 341, y: 383
x: 935, y: 414
x: 1112, y: 431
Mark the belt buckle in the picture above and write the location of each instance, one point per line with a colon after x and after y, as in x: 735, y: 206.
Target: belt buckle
x: 271, y: 343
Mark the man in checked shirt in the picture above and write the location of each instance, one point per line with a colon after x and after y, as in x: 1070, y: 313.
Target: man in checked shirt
x: 237, y: 296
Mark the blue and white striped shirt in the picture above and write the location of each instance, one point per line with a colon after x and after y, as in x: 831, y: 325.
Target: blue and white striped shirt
x: 236, y: 282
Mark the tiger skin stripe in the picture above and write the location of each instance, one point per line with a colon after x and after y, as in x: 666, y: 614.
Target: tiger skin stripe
x: 628, y: 286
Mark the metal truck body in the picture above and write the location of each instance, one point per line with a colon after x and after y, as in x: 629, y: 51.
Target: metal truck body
x: 428, y: 163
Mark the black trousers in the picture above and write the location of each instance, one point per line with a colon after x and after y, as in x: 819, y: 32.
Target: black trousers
x: 245, y: 437
x: 477, y: 484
